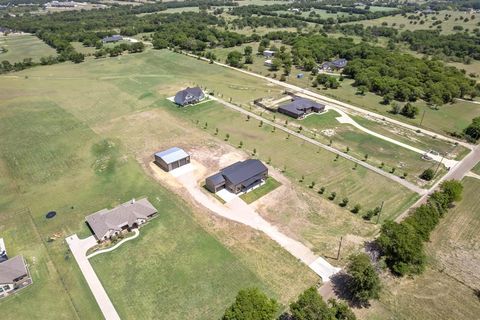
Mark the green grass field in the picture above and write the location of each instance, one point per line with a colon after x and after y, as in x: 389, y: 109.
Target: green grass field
x: 309, y: 161
x: 49, y: 122
x: 24, y: 46
x: 448, y: 118
x: 270, y: 185
x: 445, y: 290
x: 402, y: 23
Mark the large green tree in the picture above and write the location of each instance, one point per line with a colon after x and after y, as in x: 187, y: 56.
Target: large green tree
x: 473, y: 130
x: 452, y: 189
x: 310, y: 306
x: 251, y: 304
x: 364, y: 283
x: 402, y: 247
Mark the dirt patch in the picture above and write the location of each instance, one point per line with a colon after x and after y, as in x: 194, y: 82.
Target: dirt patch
x: 328, y: 132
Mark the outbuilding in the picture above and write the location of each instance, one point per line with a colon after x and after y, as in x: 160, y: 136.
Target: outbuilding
x: 172, y: 158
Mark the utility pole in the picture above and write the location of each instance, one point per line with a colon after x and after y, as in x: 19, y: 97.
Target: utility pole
x: 339, y: 247
x: 423, y: 115
x: 379, y: 212
x: 438, y: 166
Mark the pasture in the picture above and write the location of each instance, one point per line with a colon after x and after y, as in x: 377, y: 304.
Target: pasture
x: 445, y: 290
x: 24, y: 46
x: 51, y: 121
x: 403, y: 23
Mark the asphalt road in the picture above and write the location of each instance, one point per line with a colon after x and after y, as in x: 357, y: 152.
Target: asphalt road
x: 459, y: 171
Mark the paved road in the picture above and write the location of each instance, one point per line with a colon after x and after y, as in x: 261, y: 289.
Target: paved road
x: 345, y: 118
x: 393, y: 177
x: 79, y: 248
x: 457, y: 173
x: 342, y: 105
x: 237, y: 210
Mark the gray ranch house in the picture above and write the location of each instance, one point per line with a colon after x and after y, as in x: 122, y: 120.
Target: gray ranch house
x: 299, y: 107
x: 129, y: 215
x: 14, y: 275
x: 172, y: 158
x: 189, y: 96
x: 114, y: 38
x: 239, y: 177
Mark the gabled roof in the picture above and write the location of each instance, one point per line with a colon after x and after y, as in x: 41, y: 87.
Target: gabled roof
x: 187, y: 94
x: 216, y: 179
x: 171, y: 155
x: 242, y: 171
x: 127, y: 213
x: 12, y: 269
x: 299, y: 105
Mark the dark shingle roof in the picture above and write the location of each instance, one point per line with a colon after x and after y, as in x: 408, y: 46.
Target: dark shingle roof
x: 242, y: 171
x: 184, y: 95
x: 216, y: 179
x: 300, y: 105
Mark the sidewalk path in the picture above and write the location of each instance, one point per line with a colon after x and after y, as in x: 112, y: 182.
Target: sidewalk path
x: 137, y: 233
x: 237, y: 210
x: 79, y: 248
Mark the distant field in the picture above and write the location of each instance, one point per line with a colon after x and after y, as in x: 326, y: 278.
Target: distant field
x: 445, y: 290
x: 402, y: 23
x: 24, y: 46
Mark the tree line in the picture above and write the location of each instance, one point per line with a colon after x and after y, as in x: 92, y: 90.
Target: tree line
x: 402, y: 244
x: 402, y: 76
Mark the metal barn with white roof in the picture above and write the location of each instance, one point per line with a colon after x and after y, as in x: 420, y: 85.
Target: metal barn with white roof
x: 172, y: 158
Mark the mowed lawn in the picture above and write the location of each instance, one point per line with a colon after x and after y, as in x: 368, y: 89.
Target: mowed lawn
x: 24, y: 46
x: 448, y: 118
x: 49, y: 122
x: 299, y: 159
x: 446, y: 289
x: 325, y: 128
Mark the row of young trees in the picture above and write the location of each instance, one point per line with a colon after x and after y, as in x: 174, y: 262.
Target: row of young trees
x: 402, y: 244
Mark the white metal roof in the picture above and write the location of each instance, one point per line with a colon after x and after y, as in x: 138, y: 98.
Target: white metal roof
x: 172, y: 155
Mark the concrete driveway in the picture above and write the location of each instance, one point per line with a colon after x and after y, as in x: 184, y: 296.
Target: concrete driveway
x: 79, y: 248
x: 237, y: 210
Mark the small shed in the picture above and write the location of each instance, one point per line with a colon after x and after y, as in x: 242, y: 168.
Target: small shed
x: 172, y: 158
